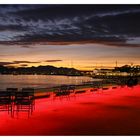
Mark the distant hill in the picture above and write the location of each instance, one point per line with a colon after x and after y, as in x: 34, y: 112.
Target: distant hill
x: 46, y: 70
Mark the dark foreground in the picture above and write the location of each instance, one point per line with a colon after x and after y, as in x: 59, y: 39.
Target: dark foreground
x: 105, y: 112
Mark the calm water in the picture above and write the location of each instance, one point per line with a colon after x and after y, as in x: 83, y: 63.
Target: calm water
x: 39, y: 81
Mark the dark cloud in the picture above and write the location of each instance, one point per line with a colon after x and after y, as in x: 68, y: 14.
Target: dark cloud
x: 26, y: 46
x: 56, y: 24
x: 19, y: 62
x: 53, y: 60
x: 16, y: 62
x: 23, y: 65
x: 13, y: 28
x: 5, y: 63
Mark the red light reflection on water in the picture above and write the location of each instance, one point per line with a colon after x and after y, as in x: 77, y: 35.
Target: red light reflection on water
x: 105, y: 112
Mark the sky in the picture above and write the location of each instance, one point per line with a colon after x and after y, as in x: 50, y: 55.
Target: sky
x: 80, y: 36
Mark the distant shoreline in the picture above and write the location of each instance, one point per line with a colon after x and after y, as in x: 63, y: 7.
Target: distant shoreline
x: 45, y: 74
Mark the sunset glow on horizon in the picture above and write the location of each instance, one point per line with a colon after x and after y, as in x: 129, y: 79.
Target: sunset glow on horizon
x: 82, y: 57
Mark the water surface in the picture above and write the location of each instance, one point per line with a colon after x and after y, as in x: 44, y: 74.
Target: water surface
x: 39, y: 81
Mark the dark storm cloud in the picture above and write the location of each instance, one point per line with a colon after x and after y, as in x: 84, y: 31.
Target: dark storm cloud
x: 107, y: 24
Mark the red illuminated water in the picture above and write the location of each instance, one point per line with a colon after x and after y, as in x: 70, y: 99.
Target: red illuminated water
x: 108, y: 112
